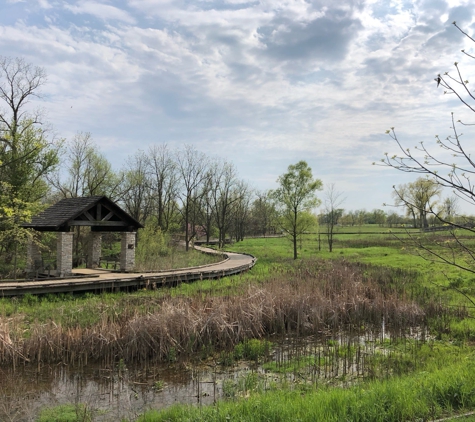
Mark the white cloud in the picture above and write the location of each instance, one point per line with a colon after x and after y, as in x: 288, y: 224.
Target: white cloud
x: 101, y: 11
x: 45, y: 4
x: 264, y: 83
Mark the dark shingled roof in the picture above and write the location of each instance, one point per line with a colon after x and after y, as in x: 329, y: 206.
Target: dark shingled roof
x: 99, y: 212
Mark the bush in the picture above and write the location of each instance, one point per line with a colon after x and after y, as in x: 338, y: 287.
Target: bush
x: 152, y: 244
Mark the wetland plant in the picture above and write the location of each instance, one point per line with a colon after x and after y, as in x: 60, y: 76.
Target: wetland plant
x: 318, y: 298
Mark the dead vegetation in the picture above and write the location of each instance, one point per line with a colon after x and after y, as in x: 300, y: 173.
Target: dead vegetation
x: 318, y: 298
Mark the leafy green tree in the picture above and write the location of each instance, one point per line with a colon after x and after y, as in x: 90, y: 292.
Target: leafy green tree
x: 419, y: 198
x: 152, y: 244
x: 26, y: 161
x: 393, y: 219
x: 22, y: 187
x: 27, y: 154
x: 295, y: 196
x: 379, y: 217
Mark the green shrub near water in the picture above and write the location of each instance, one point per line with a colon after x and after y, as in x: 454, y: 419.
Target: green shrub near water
x: 252, y: 349
x: 66, y: 413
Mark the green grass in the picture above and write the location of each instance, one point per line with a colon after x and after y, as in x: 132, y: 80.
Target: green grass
x: 274, y: 257
x: 419, y: 396
x: 388, y: 253
x: 178, y: 259
x: 66, y: 413
x: 439, y: 376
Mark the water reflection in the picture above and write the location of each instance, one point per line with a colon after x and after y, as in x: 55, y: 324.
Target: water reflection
x: 124, y: 392
x: 113, y: 393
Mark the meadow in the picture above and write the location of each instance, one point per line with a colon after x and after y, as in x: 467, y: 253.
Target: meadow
x: 391, y: 333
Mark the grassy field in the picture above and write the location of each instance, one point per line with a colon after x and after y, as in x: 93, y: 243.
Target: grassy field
x: 369, y: 275
x: 376, y: 246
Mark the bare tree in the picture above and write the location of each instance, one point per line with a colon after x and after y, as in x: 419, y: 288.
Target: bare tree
x: 451, y: 166
x: 225, y: 195
x: 19, y: 82
x: 192, y: 166
x: 241, y: 209
x: 85, y: 172
x: 332, y: 200
x: 263, y: 214
x: 136, y: 196
x: 89, y: 172
x: 393, y: 219
x: 27, y: 156
x: 207, y: 216
x: 163, y: 178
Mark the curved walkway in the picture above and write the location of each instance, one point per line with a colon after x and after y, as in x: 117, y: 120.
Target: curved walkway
x: 104, y: 280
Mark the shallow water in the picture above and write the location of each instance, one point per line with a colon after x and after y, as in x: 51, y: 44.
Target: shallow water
x: 113, y: 393
x: 120, y: 392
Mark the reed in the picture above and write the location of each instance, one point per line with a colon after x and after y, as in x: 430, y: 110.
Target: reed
x: 317, y: 298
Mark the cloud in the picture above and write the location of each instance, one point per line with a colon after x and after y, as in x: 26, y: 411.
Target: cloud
x: 45, y: 4
x: 101, y: 11
x: 263, y: 83
x: 325, y: 39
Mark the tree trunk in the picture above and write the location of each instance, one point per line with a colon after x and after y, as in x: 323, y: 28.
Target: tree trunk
x: 295, y: 246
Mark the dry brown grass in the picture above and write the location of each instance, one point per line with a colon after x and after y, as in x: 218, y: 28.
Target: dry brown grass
x: 316, y: 298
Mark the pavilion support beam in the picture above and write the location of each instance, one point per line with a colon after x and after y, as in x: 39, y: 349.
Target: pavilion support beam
x: 94, y: 250
x: 64, y: 254
x: 127, y: 252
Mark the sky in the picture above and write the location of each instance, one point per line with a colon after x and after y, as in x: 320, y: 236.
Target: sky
x: 263, y: 84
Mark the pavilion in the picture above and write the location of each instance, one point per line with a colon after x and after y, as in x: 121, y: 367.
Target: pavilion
x: 97, y: 212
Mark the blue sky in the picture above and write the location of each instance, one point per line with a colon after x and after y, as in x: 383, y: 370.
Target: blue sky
x: 263, y: 84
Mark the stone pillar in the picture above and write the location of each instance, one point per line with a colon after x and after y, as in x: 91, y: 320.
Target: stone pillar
x: 94, y: 250
x: 64, y: 254
x: 127, y: 251
x: 33, y: 257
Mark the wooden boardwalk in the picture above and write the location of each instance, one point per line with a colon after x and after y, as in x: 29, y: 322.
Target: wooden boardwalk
x: 98, y: 280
